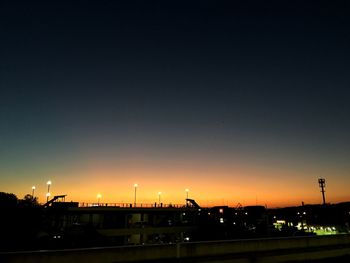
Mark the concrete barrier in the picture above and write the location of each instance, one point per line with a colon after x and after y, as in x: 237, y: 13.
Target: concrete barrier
x: 254, y: 250
x: 196, y: 249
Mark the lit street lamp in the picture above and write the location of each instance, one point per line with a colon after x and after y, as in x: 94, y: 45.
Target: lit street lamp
x: 47, y: 197
x: 98, y: 198
x: 48, y: 190
x: 135, y: 187
x: 159, y: 194
x: 186, y: 190
x: 33, y: 190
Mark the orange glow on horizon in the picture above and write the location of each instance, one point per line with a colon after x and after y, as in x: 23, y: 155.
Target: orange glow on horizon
x: 209, y: 185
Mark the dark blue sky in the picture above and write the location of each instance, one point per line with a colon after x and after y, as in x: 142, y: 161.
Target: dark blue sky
x: 249, y: 78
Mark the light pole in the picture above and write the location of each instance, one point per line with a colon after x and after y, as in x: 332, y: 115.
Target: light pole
x: 186, y: 190
x: 33, y: 191
x: 47, y: 196
x: 98, y: 199
x: 48, y: 190
x: 159, y: 194
x: 135, y: 188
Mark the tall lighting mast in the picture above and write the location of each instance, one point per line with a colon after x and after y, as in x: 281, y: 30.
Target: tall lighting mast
x: 322, y: 184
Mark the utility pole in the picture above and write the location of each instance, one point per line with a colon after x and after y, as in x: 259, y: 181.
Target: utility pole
x: 322, y: 184
x: 135, y: 190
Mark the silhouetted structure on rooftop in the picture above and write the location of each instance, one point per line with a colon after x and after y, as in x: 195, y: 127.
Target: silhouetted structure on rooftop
x: 60, y: 224
x: 55, y: 198
x: 192, y: 202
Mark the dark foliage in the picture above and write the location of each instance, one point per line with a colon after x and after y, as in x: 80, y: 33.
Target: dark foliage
x: 19, y: 222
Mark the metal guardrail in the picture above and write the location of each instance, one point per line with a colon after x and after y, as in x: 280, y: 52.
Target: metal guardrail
x: 130, y: 205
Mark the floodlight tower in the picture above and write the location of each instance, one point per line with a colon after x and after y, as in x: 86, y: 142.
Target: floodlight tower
x: 322, y: 184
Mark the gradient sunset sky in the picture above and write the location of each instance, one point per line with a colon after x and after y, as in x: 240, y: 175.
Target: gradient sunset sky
x: 239, y: 101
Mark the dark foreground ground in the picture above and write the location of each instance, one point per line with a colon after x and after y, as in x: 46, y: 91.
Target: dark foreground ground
x: 344, y: 259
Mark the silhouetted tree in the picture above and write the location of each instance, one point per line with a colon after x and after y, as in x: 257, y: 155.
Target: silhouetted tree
x: 8, y: 200
x: 20, y: 221
x: 8, y: 205
x: 28, y: 200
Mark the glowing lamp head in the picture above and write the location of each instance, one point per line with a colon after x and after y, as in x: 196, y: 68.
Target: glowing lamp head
x: 48, y: 195
x: 136, y: 185
x: 159, y: 193
x: 33, y: 187
x: 48, y: 182
x: 99, y: 196
x: 187, y: 190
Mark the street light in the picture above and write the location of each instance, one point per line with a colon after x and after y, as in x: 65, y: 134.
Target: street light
x: 186, y: 190
x: 98, y: 199
x: 33, y: 190
x: 48, y: 190
x: 135, y: 187
x: 159, y: 194
x: 47, y: 197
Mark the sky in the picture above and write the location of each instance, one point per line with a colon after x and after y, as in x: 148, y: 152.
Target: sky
x: 238, y: 101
